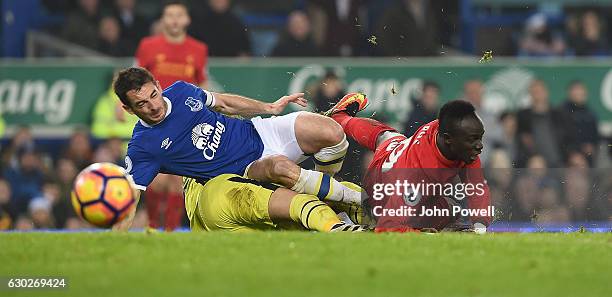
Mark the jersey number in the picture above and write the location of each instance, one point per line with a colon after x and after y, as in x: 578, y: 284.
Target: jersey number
x: 398, y: 150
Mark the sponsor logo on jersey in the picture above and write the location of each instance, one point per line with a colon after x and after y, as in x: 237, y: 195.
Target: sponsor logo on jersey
x: 194, y: 104
x: 207, y: 138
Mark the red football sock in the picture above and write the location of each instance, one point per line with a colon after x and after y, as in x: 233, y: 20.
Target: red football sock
x: 363, y: 130
x: 175, y: 208
x: 152, y: 203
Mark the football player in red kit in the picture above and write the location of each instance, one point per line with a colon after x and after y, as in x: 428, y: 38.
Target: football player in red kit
x: 441, y: 153
x: 171, y: 56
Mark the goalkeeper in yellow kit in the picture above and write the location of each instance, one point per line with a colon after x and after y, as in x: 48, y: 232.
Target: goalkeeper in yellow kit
x: 232, y: 203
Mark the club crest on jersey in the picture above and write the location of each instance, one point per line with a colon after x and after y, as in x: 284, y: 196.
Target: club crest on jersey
x: 207, y: 138
x: 194, y: 104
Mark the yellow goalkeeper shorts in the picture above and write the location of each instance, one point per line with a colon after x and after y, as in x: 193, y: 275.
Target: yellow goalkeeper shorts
x: 228, y: 202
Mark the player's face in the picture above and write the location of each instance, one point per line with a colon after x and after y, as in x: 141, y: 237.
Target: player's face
x: 175, y: 20
x: 466, y: 142
x: 147, y: 103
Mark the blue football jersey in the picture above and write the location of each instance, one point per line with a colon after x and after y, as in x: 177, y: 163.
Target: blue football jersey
x: 192, y: 140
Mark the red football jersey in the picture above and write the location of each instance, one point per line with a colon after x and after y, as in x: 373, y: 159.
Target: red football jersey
x: 419, y: 160
x: 170, y: 62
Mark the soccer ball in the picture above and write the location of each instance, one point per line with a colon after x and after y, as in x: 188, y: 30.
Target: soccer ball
x: 102, y: 194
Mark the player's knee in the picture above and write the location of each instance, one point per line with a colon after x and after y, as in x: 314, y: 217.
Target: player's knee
x: 333, y: 134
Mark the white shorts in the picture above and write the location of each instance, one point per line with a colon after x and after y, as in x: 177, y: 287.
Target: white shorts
x: 278, y: 136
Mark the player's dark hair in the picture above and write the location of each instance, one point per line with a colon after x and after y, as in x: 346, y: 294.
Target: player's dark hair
x: 128, y: 79
x: 174, y: 2
x: 452, y: 113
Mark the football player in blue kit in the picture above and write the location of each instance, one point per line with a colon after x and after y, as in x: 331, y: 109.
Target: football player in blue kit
x: 184, y: 130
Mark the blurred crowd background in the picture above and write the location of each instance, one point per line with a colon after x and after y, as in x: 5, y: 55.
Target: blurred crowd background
x: 545, y: 162
x: 337, y: 27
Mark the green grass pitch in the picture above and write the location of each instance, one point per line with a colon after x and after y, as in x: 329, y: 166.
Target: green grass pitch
x: 311, y: 264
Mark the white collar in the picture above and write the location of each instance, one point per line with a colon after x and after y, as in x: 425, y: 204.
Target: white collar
x: 168, y: 111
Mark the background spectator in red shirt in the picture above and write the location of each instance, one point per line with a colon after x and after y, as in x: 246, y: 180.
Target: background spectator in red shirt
x: 174, y: 55
x: 171, y: 56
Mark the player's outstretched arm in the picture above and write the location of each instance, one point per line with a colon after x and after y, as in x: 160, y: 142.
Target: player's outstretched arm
x: 239, y: 105
x: 126, y: 223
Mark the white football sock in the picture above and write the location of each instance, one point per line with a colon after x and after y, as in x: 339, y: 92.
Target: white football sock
x: 325, y: 187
